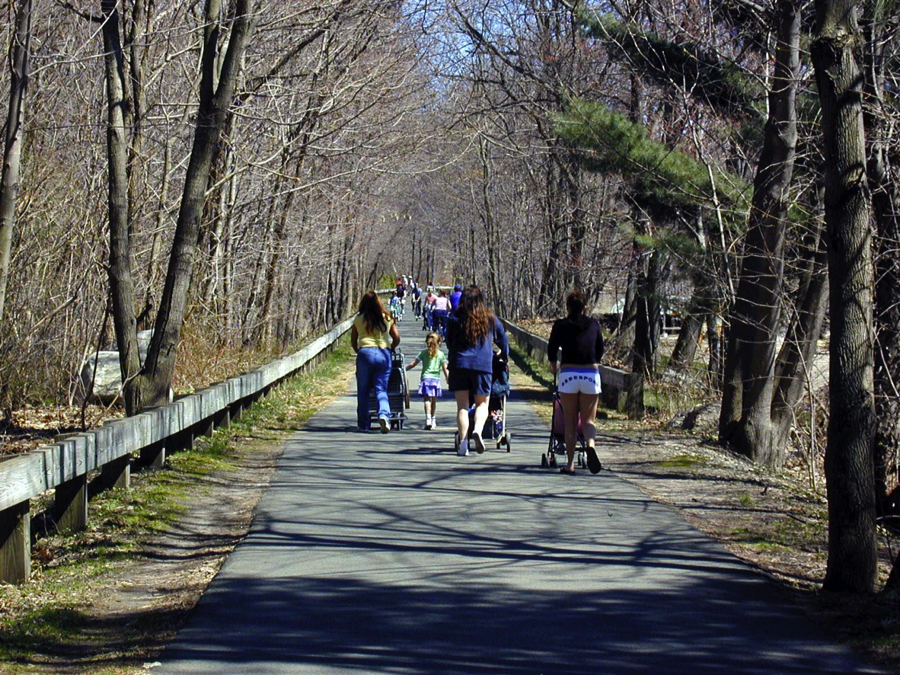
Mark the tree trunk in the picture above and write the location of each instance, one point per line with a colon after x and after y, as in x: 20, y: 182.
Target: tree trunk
x: 801, y: 342
x: 215, y: 99
x: 625, y: 332
x: 137, y: 110
x: 852, y: 561
x: 302, y: 131
x: 547, y: 292
x: 648, y: 325
x: 685, y: 350
x: 577, y: 228
x: 714, y: 340
x: 886, y: 213
x: 745, y: 422
x: 487, y: 220
x: 121, y: 284
x: 12, y: 146
x: 688, y: 337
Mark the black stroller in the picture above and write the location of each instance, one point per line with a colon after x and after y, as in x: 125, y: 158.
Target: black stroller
x: 495, y: 427
x: 398, y: 393
x: 557, y: 444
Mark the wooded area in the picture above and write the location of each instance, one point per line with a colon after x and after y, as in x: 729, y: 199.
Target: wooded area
x: 232, y: 173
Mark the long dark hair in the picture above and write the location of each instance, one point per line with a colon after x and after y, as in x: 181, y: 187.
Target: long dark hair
x: 372, y: 312
x: 474, y: 317
x: 575, y: 303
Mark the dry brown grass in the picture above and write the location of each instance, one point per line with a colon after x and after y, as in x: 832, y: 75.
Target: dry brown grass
x: 204, y: 359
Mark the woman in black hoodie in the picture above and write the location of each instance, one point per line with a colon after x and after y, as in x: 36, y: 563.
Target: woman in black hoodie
x: 579, y: 338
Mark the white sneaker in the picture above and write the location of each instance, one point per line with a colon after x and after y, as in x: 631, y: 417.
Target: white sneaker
x: 385, y: 425
x: 463, y: 450
x: 478, y: 442
x: 434, y: 423
x: 428, y: 423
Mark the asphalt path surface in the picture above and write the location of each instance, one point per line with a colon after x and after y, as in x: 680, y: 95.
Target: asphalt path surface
x: 377, y: 553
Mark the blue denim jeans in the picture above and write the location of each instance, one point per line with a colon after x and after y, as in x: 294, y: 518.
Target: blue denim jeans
x: 373, y: 370
x: 440, y: 321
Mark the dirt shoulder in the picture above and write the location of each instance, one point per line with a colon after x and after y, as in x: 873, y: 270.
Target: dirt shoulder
x: 772, y: 521
x: 109, y: 599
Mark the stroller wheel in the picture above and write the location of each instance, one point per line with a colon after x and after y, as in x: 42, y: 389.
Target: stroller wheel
x: 544, y: 463
x: 552, y: 461
x: 508, y: 436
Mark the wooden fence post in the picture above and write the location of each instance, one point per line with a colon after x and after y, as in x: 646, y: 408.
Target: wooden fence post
x: 70, y: 506
x: 117, y: 473
x: 223, y: 418
x: 15, y: 543
x: 153, y: 456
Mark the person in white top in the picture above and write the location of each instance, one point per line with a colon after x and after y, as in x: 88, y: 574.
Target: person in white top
x: 440, y: 311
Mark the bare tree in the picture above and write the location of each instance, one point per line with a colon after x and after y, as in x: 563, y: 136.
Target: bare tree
x: 848, y: 456
x: 12, y: 142
x: 217, y: 86
x: 745, y: 422
x: 120, y: 278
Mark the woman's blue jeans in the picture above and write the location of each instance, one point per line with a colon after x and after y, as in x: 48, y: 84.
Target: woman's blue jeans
x: 373, y: 370
x: 440, y: 321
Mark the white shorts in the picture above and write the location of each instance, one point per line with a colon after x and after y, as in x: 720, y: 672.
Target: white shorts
x: 579, y: 381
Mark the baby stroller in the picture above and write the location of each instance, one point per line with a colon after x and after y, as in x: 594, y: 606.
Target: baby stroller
x: 398, y: 393
x: 495, y: 427
x: 557, y: 443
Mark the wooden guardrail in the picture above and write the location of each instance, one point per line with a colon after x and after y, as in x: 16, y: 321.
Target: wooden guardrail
x: 64, y: 465
x: 621, y: 390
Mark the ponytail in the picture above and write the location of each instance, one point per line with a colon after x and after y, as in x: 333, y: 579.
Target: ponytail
x: 433, y: 342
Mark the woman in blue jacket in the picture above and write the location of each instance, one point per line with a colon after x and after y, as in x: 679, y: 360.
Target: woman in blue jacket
x: 472, y: 332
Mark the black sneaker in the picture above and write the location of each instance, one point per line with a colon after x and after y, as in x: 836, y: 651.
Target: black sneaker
x: 593, y: 460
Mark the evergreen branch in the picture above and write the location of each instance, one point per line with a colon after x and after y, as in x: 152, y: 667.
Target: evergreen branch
x: 666, y: 180
x: 723, y: 85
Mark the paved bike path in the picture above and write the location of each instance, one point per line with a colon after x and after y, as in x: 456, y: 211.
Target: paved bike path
x: 377, y: 553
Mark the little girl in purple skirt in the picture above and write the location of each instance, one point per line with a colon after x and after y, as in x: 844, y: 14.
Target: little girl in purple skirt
x: 434, y: 362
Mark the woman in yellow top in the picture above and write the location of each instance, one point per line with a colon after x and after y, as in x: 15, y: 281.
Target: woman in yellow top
x: 373, y: 336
